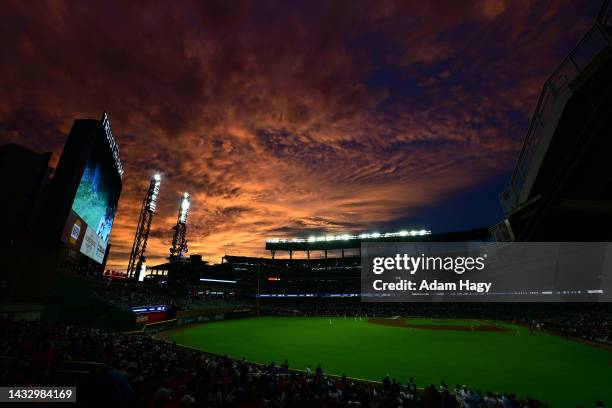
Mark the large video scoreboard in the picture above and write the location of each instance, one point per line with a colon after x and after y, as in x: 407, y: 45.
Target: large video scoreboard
x: 96, y: 164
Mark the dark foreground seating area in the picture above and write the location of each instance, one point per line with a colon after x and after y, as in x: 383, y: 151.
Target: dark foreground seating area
x: 139, y: 370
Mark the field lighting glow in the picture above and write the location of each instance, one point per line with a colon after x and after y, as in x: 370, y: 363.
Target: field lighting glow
x: 184, y: 208
x: 142, y: 272
x: 155, y: 192
x: 347, y: 237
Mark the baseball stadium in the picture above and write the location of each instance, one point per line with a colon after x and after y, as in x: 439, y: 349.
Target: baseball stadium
x: 248, y: 248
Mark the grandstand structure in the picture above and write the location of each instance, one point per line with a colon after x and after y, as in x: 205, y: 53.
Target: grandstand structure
x: 561, y: 188
x: 321, y: 267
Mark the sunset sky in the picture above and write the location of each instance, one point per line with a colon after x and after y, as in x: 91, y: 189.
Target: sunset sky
x: 287, y: 118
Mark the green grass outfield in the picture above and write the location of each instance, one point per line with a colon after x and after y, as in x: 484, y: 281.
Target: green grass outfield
x: 564, y: 373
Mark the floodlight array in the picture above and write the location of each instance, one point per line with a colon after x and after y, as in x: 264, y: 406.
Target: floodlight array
x: 348, y: 237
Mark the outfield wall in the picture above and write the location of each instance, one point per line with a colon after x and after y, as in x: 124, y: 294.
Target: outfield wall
x: 188, y: 317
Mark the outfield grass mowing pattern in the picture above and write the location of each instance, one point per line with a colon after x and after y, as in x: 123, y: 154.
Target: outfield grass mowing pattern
x: 562, y: 372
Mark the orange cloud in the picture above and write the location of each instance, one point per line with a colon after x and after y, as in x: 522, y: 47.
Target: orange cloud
x: 283, y: 118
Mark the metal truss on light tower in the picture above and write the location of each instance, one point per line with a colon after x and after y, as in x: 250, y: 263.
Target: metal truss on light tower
x: 179, y: 240
x: 139, y: 247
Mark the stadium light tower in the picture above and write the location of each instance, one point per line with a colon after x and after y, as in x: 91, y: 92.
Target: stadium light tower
x: 139, y: 247
x: 179, y: 241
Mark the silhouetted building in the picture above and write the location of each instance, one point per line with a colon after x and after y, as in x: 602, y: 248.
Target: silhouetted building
x: 24, y: 177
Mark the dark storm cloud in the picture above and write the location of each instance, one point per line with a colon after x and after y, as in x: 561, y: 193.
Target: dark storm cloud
x: 19, y: 126
x: 285, y: 117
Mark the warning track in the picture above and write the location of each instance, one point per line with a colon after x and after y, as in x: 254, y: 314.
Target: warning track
x: 450, y: 327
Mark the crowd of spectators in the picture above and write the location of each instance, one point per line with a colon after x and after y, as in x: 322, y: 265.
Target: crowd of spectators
x: 142, y: 371
x: 593, y: 326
